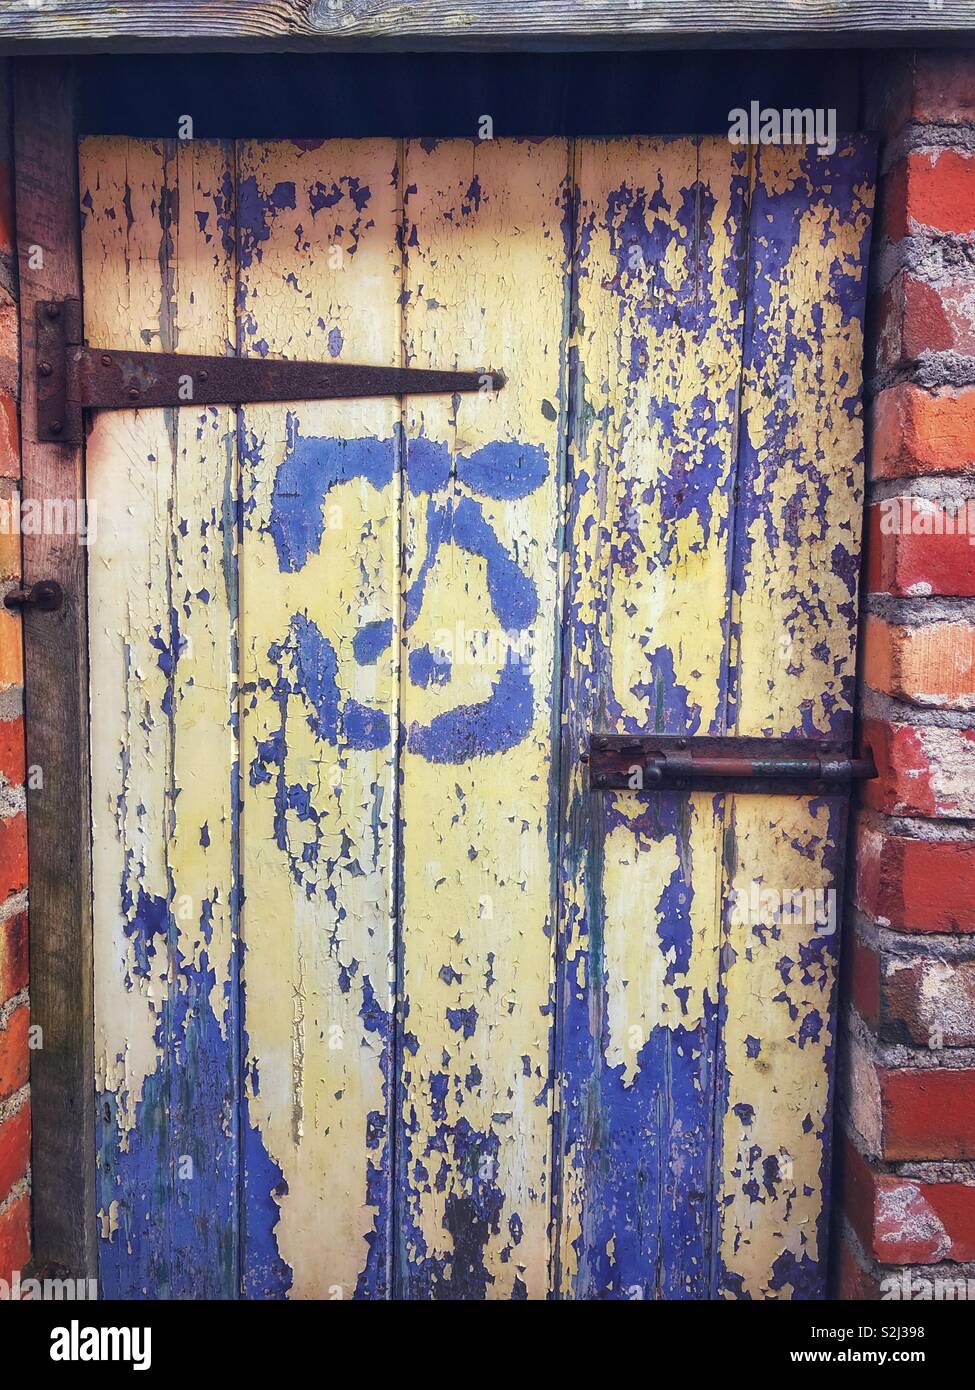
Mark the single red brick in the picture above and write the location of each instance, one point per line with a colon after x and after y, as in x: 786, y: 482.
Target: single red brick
x: 13, y: 855
x: 930, y: 665
x: 914, y: 431
x: 921, y: 770
x: 856, y: 1183
x: 928, y: 1113
x: 11, y: 650
x: 920, y: 547
x: 914, y: 317
x: 14, y: 955
x: 14, y: 1056
x: 9, y: 437
x: 943, y: 87
x: 12, y: 768
x: 925, y: 1002
x: 919, y: 85
x: 14, y: 1237
x: 864, y: 968
x: 930, y: 190
x: 904, y: 1221
x: 14, y: 1148
x: 914, y: 885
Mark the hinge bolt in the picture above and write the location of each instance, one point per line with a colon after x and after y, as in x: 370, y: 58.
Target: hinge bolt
x: 45, y: 368
x: 203, y: 376
x: 106, y: 360
x: 53, y: 311
x: 134, y: 393
x: 55, y: 427
x: 46, y: 595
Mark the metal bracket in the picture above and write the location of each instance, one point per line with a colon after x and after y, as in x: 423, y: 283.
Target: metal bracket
x: 72, y: 378
x: 729, y: 762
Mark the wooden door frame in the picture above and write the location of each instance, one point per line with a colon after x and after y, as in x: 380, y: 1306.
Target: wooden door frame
x: 56, y: 701
x: 316, y: 25
x: 56, y: 704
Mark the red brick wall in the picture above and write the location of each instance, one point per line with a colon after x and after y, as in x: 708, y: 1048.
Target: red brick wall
x: 14, y: 1091
x: 908, y: 1065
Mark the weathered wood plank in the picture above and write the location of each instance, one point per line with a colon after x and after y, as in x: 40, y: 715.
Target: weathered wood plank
x: 320, y: 265
x: 56, y: 665
x: 656, y: 345
x: 794, y: 624
x: 485, y: 283
x: 159, y: 273
x: 310, y: 23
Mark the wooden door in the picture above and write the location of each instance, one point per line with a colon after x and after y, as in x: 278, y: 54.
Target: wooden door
x: 388, y: 1003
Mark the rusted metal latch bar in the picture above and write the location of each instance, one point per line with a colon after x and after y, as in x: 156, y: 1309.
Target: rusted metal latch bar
x: 72, y: 377
x: 729, y: 762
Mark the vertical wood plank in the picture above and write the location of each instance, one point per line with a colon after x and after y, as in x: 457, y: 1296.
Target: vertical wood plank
x: 56, y: 702
x: 159, y: 273
x: 486, y: 285
x: 794, y: 620
x: 319, y: 278
x: 656, y: 354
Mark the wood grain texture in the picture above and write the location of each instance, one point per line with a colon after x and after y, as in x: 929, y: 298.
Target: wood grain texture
x: 656, y: 351
x: 486, y: 281
x: 311, y: 23
x: 56, y: 705
x: 794, y: 601
x: 159, y: 274
x: 320, y: 264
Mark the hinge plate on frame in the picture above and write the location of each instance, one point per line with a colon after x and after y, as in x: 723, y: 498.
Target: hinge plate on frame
x: 724, y: 762
x: 72, y: 377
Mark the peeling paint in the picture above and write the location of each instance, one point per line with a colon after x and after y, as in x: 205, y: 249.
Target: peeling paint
x: 387, y: 1002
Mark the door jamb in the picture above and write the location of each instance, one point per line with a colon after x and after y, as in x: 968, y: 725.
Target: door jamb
x: 56, y: 702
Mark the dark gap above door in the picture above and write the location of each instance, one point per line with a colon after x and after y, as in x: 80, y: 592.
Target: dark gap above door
x: 269, y: 96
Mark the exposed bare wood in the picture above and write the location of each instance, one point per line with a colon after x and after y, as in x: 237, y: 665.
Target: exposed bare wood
x: 27, y: 25
x: 56, y: 704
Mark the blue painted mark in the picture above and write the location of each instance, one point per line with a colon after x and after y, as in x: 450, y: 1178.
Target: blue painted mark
x: 174, y: 1182
x: 311, y: 468
x: 255, y: 216
x: 429, y: 668
x: 263, y: 1273
x: 470, y: 731
x: 371, y: 641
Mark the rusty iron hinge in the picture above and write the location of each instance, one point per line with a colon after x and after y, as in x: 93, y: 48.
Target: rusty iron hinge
x: 72, y: 377
x: 728, y: 762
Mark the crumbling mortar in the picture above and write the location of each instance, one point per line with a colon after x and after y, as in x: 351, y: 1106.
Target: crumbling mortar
x: 920, y: 611
x: 930, y: 370
x: 943, y: 488
x: 8, y: 1009
x: 932, y: 256
x: 923, y: 136
x: 898, y: 1056
x: 874, y: 704
x: 13, y: 1103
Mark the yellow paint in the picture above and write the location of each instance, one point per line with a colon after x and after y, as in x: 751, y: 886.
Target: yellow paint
x: 485, y: 287
x: 636, y: 871
x: 769, y: 993
x: 147, y: 471
x: 791, y: 666
x: 319, y: 1069
x: 672, y: 595
x: 479, y: 908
